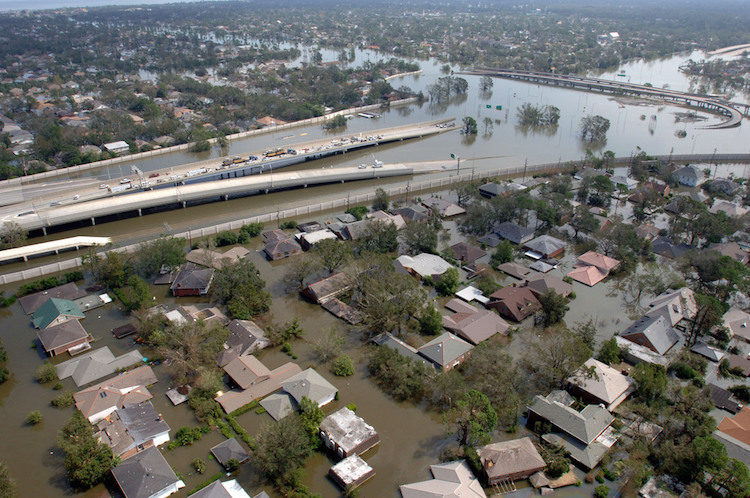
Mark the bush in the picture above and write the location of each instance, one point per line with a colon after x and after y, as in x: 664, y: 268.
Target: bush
x: 232, y: 464
x: 58, y: 386
x: 199, y: 465
x: 226, y: 238
x: 288, y: 225
x: 601, y: 491
x: 742, y: 392
x: 34, y: 417
x: 357, y: 211
x: 46, y: 373
x: 352, y: 407
x: 682, y: 370
x: 252, y: 229
x: 4, y: 374
x: 343, y: 366
x: 63, y: 400
x: 224, y: 429
x: 185, y: 436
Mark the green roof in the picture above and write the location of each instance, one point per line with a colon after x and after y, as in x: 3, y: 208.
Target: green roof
x: 53, y: 308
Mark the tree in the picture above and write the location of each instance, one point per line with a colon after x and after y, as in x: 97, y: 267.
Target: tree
x: 550, y: 362
x: 381, y: 237
x: 12, y: 235
x: 583, y: 220
x: 166, y: 251
x: 239, y: 286
x: 329, y: 346
x: 419, y: 238
x: 470, y: 126
x: 191, y: 347
x: 601, y: 491
x: 281, y: 449
x: 46, y: 373
x: 299, y: 269
x: 332, y: 254
x: 650, y: 381
x: 491, y: 370
x: 554, y: 307
x: 310, y: 416
x: 447, y: 283
x: 34, y: 417
x: 503, y: 254
x: 382, y: 200
x: 7, y: 484
x: 343, y: 366
x: 594, y: 128
x: 487, y: 122
x: 397, y: 374
x: 430, y: 320
x: 87, y: 462
x: 609, y: 352
x: 474, y: 419
x: 710, y: 313
x: 279, y: 334
x: 486, y: 83
x: 112, y: 270
x: 388, y: 299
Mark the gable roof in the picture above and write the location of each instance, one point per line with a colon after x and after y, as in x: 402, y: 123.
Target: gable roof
x: 665, y: 247
x: 445, y: 349
x: 191, y: 278
x: 124, y: 389
x: 404, y: 349
x: 654, y: 332
x: 247, y: 370
x: 514, y: 270
x: 731, y: 249
x: 738, y: 323
x: 414, y: 212
x: 274, y: 247
x: 729, y: 208
x: 510, y: 457
x: 52, y: 308
x: 245, y: 337
x: 145, y: 474
x: 234, y: 399
x: 674, y: 305
x: 142, y: 421
x: 61, y: 335
x: 226, y: 489
x: 541, y: 284
x: 517, y: 302
x: 738, y: 426
x: 585, y: 425
x: 309, y: 384
x: 32, y: 302
x: 606, y: 384
x: 703, y: 349
x: 450, y: 480
x: 96, y: 364
x: 328, y: 288
x: 444, y: 208
x: 473, y: 324
x: 466, y: 252
x: 513, y: 232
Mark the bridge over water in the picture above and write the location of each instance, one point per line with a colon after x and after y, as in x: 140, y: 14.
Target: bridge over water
x: 622, y: 88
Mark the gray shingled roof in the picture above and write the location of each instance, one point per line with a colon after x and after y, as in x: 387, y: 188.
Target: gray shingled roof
x: 513, y: 232
x: 96, y: 365
x: 545, y: 244
x: 143, y: 422
x: 657, y: 330
x: 229, y: 449
x: 309, y: 384
x: 279, y: 405
x: 144, y: 474
x: 445, y: 349
x: 585, y: 425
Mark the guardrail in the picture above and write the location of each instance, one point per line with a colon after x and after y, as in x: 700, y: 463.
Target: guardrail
x: 345, y: 202
x: 23, y: 180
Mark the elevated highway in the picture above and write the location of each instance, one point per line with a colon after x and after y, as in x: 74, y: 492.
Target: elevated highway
x: 621, y: 88
x: 181, y: 195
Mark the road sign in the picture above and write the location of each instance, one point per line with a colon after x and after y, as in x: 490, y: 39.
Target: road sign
x: 499, y: 107
x: 453, y: 156
x: 489, y: 106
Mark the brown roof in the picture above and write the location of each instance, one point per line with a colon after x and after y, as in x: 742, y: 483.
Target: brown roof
x: 737, y: 427
x: 247, y: 370
x: 514, y: 270
x: 510, y: 458
x: 235, y: 399
x: 540, y: 284
x: 514, y: 302
x: 466, y: 252
x: 473, y: 324
x: 327, y: 288
x: 116, y: 391
x: 61, y: 335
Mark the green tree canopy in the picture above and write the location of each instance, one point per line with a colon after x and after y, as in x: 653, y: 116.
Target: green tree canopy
x: 239, y: 287
x: 87, y: 462
x: 474, y: 419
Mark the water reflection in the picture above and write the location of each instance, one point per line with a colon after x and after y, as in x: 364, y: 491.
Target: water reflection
x: 545, y: 131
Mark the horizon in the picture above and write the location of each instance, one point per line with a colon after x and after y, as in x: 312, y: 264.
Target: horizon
x: 17, y: 5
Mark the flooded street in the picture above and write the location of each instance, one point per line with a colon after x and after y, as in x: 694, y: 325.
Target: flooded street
x: 411, y: 437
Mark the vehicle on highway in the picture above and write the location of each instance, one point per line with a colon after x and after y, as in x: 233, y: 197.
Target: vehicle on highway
x: 377, y: 164
x: 103, y: 186
x: 124, y: 181
x: 76, y: 197
x: 362, y: 166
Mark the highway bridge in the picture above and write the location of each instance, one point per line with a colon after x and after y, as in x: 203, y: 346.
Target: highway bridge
x: 621, y: 88
x: 183, y: 195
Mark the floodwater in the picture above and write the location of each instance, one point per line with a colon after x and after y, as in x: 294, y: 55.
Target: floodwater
x: 411, y: 438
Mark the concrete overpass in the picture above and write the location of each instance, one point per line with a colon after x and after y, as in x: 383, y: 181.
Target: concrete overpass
x: 55, y: 246
x: 621, y: 88
x: 181, y: 195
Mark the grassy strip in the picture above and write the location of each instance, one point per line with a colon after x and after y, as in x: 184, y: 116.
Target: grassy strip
x: 241, y: 432
x: 244, y: 409
x: 208, y: 481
